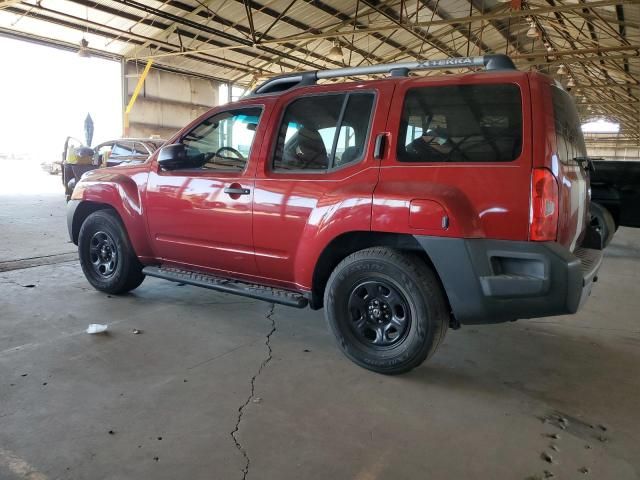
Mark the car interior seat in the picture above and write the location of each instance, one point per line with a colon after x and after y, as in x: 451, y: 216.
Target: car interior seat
x: 310, y: 150
x: 349, y: 155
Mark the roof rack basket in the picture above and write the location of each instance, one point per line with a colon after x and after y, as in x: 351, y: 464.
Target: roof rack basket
x: 290, y: 80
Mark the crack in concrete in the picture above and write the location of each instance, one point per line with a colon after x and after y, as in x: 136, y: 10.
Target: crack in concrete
x: 24, y: 263
x: 236, y: 430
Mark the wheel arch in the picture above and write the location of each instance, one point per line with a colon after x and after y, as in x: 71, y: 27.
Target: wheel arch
x: 82, y: 211
x: 347, y: 243
x: 134, y: 226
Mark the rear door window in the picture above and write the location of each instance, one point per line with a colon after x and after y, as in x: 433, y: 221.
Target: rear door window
x: 461, y: 123
x: 322, y: 132
x: 140, y: 150
x: 122, y: 150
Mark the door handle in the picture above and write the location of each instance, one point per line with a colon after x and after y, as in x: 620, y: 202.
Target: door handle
x: 380, y: 145
x: 237, y: 191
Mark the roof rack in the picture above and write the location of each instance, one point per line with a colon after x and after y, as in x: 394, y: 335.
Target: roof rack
x: 290, y: 80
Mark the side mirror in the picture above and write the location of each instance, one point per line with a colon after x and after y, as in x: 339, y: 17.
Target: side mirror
x: 171, y: 157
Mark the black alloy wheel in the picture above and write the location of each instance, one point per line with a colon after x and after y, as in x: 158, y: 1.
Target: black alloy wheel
x: 386, y: 308
x: 106, y: 256
x: 380, y: 312
x: 103, y: 254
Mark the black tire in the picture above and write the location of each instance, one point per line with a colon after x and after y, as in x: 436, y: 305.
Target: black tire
x: 602, y: 220
x: 106, y: 256
x: 410, y: 290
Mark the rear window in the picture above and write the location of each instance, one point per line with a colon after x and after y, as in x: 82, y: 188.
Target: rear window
x: 153, y: 146
x: 569, y: 138
x: 461, y: 123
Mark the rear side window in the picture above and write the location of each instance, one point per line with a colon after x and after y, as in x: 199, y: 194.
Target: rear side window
x: 569, y: 138
x: 461, y: 123
x: 122, y: 149
x: 322, y: 132
x: 139, y: 149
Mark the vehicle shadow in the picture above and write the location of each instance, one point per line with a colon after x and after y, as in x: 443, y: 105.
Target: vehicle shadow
x: 562, y: 367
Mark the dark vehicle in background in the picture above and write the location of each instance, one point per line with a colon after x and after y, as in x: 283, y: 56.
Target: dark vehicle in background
x: 615, y: 195
x: 78, y: 159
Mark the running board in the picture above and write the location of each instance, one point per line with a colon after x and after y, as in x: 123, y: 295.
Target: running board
x: 268, y: 294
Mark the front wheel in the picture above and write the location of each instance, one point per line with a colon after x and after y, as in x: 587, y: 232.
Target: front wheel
x: 106, y: 256
x: 386, y: 309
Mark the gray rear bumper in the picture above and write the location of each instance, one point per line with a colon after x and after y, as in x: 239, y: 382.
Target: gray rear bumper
x: 490, y: 281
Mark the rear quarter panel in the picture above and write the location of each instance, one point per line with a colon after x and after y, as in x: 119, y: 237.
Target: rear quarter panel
x: 573, y: 187
x: 480, y: 199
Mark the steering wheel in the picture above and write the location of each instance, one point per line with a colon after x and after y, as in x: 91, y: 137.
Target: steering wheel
x: 229, y: 149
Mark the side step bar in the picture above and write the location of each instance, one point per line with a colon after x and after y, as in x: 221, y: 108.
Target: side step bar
x: 268, y: 294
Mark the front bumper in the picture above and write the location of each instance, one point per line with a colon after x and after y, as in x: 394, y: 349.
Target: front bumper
x: 491, y: 281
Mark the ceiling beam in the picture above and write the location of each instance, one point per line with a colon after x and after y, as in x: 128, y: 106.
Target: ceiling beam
x: 465, y: 30
x: 502, y: 27
x: 592, y: 58
x: 215, y: 32
x: 354, y: 25
x: 504, y: 14
x: 607, y: 103
x: 579, y: 51
x: 7, y: 3
x: 171, y: 28
x: 606, y: 85
x: 282, y: 17
x: 425, y: 37
x: 82, y: 25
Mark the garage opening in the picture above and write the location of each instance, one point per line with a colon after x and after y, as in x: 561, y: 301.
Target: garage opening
x: 47, y: 98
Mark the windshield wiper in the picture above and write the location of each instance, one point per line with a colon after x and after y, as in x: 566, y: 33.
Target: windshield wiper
x: 587, y: 162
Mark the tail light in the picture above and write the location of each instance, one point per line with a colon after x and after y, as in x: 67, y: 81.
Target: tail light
x: 543, y: 223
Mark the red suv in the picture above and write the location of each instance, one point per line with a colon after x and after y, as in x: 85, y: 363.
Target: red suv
x: 403, y: 206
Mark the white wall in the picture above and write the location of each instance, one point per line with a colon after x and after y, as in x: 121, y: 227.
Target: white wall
x: 167, y: 101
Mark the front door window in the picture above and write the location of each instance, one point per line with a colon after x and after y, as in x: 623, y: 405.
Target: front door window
x: 223, y: 142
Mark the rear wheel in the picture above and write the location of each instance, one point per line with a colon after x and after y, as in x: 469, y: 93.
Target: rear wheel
x: 386, y: 309
x: 106, y: 256
x: 603, y: 222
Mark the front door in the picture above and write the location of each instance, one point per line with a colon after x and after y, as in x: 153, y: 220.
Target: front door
x: 200, y: 215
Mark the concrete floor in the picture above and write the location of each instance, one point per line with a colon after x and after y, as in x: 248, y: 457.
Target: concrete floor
x: 163, y: 404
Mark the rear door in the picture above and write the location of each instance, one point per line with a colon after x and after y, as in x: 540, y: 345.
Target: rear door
x: 459, y: 159
x: 573, y: 179
x: 318, y: 175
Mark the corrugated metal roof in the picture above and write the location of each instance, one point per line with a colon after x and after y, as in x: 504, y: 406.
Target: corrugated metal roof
x: 598, y: 41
